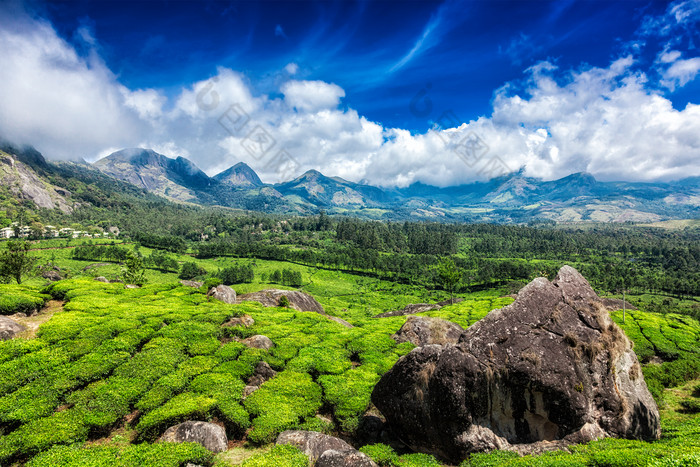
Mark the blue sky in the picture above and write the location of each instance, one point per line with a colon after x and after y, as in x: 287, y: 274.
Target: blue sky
x: 378, y: 74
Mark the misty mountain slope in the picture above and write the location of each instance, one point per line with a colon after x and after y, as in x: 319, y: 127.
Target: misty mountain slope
x: 176, y: 179
x: 315, y: 188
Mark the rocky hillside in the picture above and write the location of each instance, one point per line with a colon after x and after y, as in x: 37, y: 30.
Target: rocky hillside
x: 22, y: 182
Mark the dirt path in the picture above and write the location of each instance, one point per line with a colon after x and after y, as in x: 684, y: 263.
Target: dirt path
x: 33, y: 322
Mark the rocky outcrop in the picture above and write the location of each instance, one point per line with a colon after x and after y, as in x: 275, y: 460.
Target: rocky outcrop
x: 9, y: 328
x: 25, y: 184
x: 324, y: 450
x: 423, y: 330
x: 223, y: 293
x: 258, y: 342
x: 195, y: 284
x: 102, y: 279
x: 211, y: 436
x: 299, y: 301
x: 548, y: 370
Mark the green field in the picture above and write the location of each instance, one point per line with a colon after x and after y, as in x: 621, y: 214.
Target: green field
x: 113, y: 367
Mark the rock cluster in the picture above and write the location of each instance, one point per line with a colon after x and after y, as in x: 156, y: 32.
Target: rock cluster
x: 548, y: 370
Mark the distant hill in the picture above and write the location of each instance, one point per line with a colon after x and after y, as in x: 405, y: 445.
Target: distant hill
x: 512, y: 198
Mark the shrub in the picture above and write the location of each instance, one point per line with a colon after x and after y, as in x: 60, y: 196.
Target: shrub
x: 143, y: 455
x: 381, y: 454
x: 14, y: 299
x: 278, y: 456
x: 190, y: 270
x: 280, y: 404
x: 185, y: 406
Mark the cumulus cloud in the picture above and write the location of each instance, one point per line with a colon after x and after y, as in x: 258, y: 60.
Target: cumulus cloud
x: 312, y: 95
x: 608, y: 121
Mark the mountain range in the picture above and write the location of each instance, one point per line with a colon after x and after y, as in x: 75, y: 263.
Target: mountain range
x: 510, y: 198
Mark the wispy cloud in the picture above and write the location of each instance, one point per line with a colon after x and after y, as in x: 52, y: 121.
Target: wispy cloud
x: 421, y: 44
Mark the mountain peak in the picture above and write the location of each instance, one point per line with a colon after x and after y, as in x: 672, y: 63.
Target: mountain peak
x: 240, y: 175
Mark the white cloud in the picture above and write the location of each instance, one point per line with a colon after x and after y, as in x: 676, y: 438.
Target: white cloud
x: 681, y: 72
x: 312, y: 95
x: 291, y: 68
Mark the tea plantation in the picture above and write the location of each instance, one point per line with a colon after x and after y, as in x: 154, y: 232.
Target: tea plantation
x: 114, y: 367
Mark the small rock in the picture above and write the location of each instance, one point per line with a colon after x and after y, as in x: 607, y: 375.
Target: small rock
x: 263, y: 372
x: 423, y: 330
x: 258, y: 342
x: 101, y: 279
x: 312, y: 443
x: 132, y: 286
x: 248, y: 390
x: 245, y: 321
x: 347, y: 458
x: 209, y: 435
x: 51, y: 275
x: 9, y: 328
x: 194, y: 284
x: 223, y: 293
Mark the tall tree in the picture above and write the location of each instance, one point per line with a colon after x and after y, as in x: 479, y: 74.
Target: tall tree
x: 16, y: 261
x: 449, y: 275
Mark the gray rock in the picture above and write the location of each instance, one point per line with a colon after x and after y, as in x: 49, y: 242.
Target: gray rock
x: 299, y: 301
x: 51, y: 275
x: 9, y: 328
x: 211, y: 436
x: 347, y: 458
x: 258, y: 342
x: 424, y: 330
x: 194, y: 284
x: 245, y: 321
x: 132, y: 286
x: 312, y: 443
x: 101, y: 279
x: 546, y: 371
x: 223, y: 293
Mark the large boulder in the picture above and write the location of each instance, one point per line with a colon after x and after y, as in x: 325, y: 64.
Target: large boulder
x: 211, y: 436
x: 423, y: 330
x: 324, y: 450
x: 223, y: 293
x: 299, y: 301
x: 9, y: 328
x: 548, y: 370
